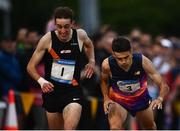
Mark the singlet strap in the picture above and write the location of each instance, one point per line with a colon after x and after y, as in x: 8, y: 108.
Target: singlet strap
x: 74, y: 35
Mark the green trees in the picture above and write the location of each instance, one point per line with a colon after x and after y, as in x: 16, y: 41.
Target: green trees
x: 154, y: 16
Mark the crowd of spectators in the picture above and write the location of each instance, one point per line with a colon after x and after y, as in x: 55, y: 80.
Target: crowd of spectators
x: 164, y: 51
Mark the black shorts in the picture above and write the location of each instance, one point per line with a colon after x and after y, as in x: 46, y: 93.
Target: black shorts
x: 61, y: 96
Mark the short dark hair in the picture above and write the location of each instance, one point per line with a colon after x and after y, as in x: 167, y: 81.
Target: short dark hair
x: 121, y: 44
x: 63, y: 12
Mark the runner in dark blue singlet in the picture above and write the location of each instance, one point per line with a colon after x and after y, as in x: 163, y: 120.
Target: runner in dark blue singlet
x: 128, y: 92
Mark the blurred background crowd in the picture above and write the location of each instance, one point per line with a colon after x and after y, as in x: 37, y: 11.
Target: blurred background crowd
x: 154, y: 36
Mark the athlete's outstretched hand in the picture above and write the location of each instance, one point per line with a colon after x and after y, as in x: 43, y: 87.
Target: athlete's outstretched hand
x: 46, y: 86
x: 89, y: 69
x: 157, y: 103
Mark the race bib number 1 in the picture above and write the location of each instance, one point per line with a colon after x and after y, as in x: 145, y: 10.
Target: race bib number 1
x: 63, y: 71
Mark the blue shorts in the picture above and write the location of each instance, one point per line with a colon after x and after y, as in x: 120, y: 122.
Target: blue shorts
x: 133, y: 112
x: 144, y: 104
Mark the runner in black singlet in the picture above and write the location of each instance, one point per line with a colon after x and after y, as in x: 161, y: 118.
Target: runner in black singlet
x: 62, y: 49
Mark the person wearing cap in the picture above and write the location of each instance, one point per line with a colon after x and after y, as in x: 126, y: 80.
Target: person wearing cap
x: 163, y: 61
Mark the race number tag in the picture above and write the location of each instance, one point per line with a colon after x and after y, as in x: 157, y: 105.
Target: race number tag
x: 128, y: 86
x: 62, y: 71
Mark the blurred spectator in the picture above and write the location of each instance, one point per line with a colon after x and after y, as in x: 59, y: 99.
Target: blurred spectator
x: 163, y: 61
x: 146, y: 39
x: 135, y: 33
x: 103, y: 45
x: 21, y: 39
x: 29, y: 46
x: 10, y: 74
x: 23, y: 57
x: 135, y: 37
x: 36, y: 119
x: 175, y: 71
x: 172, y: 114
x: 176, y: 109
x: 136, y: 45
x: 37, y: 116
x: 146, y: 45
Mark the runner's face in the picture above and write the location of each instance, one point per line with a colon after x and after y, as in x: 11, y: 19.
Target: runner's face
x: 63, y: 28
x: 123, y: 58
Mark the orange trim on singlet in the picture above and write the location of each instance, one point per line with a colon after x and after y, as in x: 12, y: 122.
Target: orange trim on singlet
x: 54, y: 54
x: 74, y: 82
x: 126, y: 98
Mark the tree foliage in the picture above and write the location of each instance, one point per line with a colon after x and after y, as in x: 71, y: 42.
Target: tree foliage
x: 153, y: 16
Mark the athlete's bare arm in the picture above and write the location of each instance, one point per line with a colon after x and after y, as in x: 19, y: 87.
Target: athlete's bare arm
x: 157, y: 79
x: 37, y: 56
x: 105, y: 74
x: 88, y: 45
x: 104, y: 77
x: 43, y: 45
x: 89, y: 50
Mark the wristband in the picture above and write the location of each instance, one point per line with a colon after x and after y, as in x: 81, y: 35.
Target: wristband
x: 160, y: 98
x: 41, y: 81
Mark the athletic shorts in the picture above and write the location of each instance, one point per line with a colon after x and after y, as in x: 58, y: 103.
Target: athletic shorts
x: 56, y: 100
x: 134, y: 111
x: 131, y: 104
x: 144, y: 104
